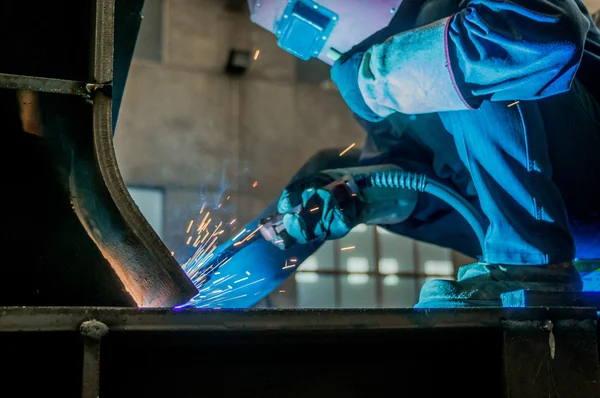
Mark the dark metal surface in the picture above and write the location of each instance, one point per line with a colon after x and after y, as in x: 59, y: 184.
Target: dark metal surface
x: 551, y: 359
x: 42, y: 84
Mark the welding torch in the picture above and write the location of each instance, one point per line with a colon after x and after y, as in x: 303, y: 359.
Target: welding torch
x: 343, y: 190
x: 386, y: 194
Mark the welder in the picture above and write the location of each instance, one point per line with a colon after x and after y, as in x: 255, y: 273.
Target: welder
x: 498, y: 100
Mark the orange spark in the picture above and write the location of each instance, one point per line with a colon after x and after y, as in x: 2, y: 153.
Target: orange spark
x: 197, y: 241
x: 252, y: 233
x: 347, y: 149
x: 205, y: 236
x: 205, y: 217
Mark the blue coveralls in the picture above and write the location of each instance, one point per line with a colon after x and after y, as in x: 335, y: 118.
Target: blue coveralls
x: 532, y: 167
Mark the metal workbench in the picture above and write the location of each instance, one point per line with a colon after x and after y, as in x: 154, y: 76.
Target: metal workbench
x: 534, y: 352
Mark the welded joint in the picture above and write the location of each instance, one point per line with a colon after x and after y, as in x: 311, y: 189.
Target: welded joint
x: 549, y: 326
x: 93, y: 329
x: 105, y: 88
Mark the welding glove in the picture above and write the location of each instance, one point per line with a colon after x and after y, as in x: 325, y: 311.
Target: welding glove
x: 322, y: 217
x: 344, y: 74
x: 312, y: 212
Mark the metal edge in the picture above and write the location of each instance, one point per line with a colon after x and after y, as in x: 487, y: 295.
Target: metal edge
x: 41, y: 319
x: 175, y: 287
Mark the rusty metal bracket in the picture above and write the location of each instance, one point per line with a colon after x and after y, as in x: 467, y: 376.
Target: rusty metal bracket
x: 551, y: 358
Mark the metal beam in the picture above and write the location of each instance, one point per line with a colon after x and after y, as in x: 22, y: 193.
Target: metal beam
x: 32, y: 319
x: 43, y: 84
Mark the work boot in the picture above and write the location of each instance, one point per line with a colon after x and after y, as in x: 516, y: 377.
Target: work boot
x: 481, y: 284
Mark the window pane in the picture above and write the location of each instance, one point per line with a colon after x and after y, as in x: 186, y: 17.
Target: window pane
x: 399, y: 292
x: 358, y: 291
x: 438, y: 267
x: 151, y: 203
x: 435, y: 260
x: 358, y: 244
x: 357, y: 264
x: 396, y: 253
x: 315, y: 290
x: 322, y: 259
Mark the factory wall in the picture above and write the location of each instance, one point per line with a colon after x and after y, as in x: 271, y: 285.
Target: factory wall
x: 592, y: 5
x: 199, y: 136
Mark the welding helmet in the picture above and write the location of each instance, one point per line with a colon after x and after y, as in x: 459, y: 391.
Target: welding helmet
x: 323, y: 29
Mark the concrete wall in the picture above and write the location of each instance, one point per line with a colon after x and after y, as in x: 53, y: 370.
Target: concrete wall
x: 592, y: 5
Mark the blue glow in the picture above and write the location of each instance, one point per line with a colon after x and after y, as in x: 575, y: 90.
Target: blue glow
x: 590, y: 274
x: 240, y: 276
x: 591, y: 281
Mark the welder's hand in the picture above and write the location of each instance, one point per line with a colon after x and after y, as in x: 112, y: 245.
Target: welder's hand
x: 344, y: 74
x: 321, y: 217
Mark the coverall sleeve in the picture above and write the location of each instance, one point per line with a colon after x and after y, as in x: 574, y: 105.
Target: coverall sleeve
x: 499, y: 50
